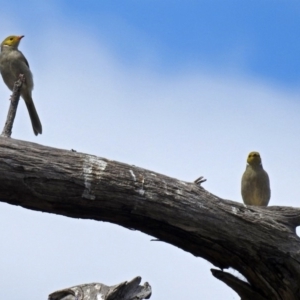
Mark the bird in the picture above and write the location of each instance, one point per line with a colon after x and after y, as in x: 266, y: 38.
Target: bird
x: 12, y: 64
x: 255, y: 186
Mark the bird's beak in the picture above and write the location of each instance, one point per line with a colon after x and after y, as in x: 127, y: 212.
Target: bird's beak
x: 20, y: 37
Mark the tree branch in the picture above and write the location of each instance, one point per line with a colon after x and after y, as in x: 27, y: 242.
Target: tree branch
x: 242, y: 288
x: 259, y: 242
x: 131, y: 290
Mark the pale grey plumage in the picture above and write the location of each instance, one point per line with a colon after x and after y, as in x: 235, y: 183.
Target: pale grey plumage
x: 12, y: 64
x: 255, y: 186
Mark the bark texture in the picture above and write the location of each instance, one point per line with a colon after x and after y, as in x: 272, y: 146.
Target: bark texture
x: 259, y: 242
x: 131, y: 290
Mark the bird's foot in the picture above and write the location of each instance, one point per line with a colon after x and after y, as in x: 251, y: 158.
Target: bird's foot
x: 22, y: 77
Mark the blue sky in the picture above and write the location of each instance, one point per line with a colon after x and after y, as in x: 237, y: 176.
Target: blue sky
x: 184, y: 88
x: 262, y: 35
x: 256, y: 37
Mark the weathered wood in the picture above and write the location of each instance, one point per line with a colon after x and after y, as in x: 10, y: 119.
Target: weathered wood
x: 15, y: 97
x: 259, y: 242
x: 127, y: 290
x: 241, y: 287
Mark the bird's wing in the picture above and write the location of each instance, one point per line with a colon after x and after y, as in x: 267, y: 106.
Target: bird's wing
x: 24, y: 59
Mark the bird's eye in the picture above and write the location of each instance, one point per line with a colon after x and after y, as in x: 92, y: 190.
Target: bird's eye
x: 11, y: 38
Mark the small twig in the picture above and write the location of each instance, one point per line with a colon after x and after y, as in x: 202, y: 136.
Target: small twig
x: 200, y: 180
x: 15, y: 97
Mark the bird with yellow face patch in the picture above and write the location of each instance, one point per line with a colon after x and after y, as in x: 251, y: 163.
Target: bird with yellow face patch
x: 12, y: 64
x: 255, y: 182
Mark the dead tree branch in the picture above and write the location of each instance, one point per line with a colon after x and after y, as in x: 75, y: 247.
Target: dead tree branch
x: 127, y: 290
x: 15, y: 97
x: 259, y: 242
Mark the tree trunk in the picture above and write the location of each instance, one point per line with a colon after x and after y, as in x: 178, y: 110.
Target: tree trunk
x: 259, y: 242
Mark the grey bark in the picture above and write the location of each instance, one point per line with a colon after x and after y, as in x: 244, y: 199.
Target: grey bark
x: 14, y: 101
x: 131, y: 290
x: 259, y: 242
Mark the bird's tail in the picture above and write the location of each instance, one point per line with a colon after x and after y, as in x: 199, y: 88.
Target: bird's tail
x: 35, y: 120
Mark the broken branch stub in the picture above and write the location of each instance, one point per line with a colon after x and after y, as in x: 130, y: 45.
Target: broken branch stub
x: 127, y: 290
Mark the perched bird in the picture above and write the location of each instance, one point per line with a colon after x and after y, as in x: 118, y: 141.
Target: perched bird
x: 255, y: 182
x: 12, y: 64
